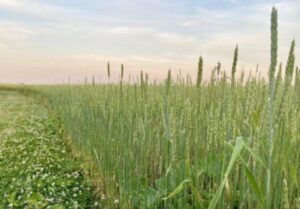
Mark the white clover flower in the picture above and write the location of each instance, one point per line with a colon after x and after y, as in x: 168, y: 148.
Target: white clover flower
x: 103, y: 197
x: 50, y: 199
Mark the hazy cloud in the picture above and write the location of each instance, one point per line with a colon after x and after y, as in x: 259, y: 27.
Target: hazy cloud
x: 46, y: 42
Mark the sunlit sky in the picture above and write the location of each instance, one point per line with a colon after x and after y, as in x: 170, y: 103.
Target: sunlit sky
x: 56, y: 41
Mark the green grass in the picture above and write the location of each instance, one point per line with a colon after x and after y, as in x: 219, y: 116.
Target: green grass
x: 37, y: 170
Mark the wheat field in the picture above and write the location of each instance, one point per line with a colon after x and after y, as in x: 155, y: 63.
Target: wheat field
x: 230, y: 142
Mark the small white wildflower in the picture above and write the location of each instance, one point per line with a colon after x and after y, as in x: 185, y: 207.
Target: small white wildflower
x: 103, y: 197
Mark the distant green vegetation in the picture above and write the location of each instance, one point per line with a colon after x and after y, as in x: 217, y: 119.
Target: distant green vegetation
x: 229, y: 143
x: 36, y: 167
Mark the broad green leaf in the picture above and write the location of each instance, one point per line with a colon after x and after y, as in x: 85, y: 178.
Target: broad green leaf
x: 255, y: 187
x: 151, y: 197
x: 177, y: 190
x: 235, y: 154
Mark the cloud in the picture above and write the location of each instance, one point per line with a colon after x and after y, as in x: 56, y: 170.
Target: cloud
x: 34, y: 8
x: 153, y: 35
x: 12, y: 31
x: 77, y: 67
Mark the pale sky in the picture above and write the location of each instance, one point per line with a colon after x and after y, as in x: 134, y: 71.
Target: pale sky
x: 56, y: 40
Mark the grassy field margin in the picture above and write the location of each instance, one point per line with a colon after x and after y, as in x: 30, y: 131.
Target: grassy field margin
x: 38, y: 168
